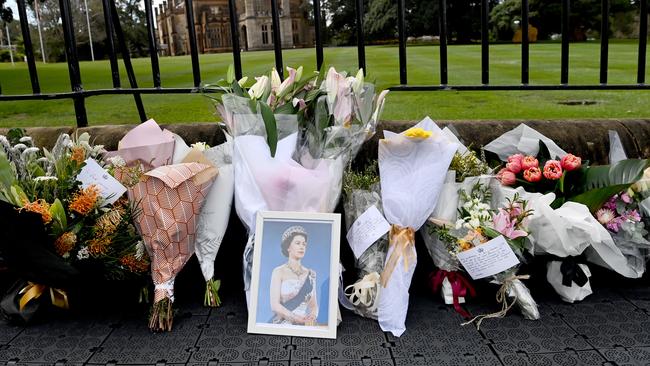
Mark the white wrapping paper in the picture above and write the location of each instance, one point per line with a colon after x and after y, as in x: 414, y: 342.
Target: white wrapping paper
x: 522, y: 140
x: 412, y: 173
x: 568, y: 294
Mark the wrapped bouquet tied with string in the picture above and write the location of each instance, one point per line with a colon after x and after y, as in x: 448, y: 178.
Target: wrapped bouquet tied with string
x: 360, y: 194
x: 484, y: 226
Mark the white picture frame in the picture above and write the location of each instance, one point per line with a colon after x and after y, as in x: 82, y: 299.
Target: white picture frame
x: 294, y: 271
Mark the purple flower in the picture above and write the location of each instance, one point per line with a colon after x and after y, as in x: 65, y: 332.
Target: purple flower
x: 615, y: 224
x: 626, y: 198
x: 633, y: 216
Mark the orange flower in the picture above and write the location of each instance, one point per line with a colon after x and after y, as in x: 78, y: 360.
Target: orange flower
x: 98, y: 246
x: 64, y: 243
x: 78, y: 154
x: 134, y: 265
x: 108, y: 222
x: 85, y: 200
x: 41, y: 207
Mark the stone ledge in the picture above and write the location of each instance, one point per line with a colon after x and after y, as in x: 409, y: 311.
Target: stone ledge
x: 587, y: 138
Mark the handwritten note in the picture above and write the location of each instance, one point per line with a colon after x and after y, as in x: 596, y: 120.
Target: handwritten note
x: 369, y: 227
x: 488, y: 259
x: 110, y: 188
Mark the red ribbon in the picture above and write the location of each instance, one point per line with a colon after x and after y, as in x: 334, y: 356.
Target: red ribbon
x: 460, y: 287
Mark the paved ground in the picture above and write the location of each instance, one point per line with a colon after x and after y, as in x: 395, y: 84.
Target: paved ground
x: 612, y: 327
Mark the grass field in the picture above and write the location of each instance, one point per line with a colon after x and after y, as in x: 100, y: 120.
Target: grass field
x: 382, y: 61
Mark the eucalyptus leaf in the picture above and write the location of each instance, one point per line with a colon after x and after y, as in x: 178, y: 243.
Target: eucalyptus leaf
x: 271, y: 127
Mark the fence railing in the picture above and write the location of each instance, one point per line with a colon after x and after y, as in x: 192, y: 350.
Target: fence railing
x: 115, y: 38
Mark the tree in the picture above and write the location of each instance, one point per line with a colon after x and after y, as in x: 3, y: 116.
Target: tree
x: 132, y: 18
x: 380, y: 21
x: 5, y: 12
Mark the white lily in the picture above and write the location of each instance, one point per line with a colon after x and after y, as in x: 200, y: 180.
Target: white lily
x: 275, y: 79
x: 260, y: 87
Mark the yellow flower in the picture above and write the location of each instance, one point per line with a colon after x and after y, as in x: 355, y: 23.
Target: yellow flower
x: 64, y: 243
x: 417, y: 133
x: 85, y: 200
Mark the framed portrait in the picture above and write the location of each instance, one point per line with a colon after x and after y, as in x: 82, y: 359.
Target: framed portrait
x: 295, y: 275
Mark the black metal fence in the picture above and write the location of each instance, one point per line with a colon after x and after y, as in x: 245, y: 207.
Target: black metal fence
x: 115, y: 35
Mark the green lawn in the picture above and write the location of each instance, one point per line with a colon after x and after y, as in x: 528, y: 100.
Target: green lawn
x: 423, y: 68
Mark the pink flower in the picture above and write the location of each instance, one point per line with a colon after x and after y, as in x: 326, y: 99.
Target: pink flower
x: 514, y: 163
x: 615, y: 224
x: 552, y: 170
x: 529, y: 162
x: 604, y: 215
x: 505, y: 226
x: 571, y: 162
x: 506, y: 177
x: 633, y: 216
x: 626, y: 198
x: 533, y: 174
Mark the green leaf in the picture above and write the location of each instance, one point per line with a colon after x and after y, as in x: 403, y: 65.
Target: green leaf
x: 59, y: 220
x: 595, y: 198
x: 237, y: 90
x: 6, y: 173
x: 271, y: 127
x: 624, y: 172
x: 230, y: 75
x: 286, y: 108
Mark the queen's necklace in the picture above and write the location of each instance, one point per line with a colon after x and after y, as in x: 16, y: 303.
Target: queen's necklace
x: 297, y: 272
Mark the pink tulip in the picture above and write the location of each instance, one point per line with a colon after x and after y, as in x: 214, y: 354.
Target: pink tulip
x: 506, y: 177
x: 533, y: 174
x: 570, y: 162
x: 514, y: 163
x: 529, y: 162
x: 552, y: 170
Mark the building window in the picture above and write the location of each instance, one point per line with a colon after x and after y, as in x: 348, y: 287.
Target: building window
x: 265, y: 34
x: 296, y: 34
x: 214, y: 10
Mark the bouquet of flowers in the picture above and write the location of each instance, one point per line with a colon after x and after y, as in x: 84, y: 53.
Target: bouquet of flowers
x: 477, y: 224
x: 292, y: 139
x: 569, y: 193
x: 412, y: 168
x: 84, y: 228
x: 215, y: 213
x: 170, y: 198
x: 360, y: 193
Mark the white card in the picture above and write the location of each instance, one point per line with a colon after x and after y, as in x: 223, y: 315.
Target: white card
x: 109, y: 188
x: 369, y: 227
x: 488, y: 259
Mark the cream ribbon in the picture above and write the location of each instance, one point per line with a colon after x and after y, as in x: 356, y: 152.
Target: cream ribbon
x: 502, y: 298
x: 402, y: 239
x: 365, y: 292
x: 164, y: 290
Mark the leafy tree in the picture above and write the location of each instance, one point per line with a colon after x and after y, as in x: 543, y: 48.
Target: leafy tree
x: 5, y: 12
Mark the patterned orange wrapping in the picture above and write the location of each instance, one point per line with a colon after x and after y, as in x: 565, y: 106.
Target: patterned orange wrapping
x: 170, y: 198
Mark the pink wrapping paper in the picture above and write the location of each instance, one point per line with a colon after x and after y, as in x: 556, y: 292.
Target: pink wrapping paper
x: 147, y: 144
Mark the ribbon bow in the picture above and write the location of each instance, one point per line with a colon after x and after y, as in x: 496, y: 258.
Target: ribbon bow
x: 402, y: 239
x: 501, y: 299
x: 460, y: 287
x: 365, y: 292
x: 33, y: 291
x: 572, y: 272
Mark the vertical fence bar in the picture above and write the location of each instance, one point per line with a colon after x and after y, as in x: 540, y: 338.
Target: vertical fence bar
x: 524, y: 43
x: 317, y: 31
x: 153, y: 49
x: 29, y: 49
x: 277, y: 39
x: 604, y: 41
x: 361, y: 48
x: 564, y: 68
x: 126, y: 57
x: 443, y: 41
x: 73, y: 63
x: 112, y: 54
x: 194, y: 51
x: 485, y: 43
x: 643, y: 40
x: 234, y: 33
x: 402, y: 42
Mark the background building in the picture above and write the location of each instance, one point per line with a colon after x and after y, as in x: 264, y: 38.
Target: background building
x: 213, y: 25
